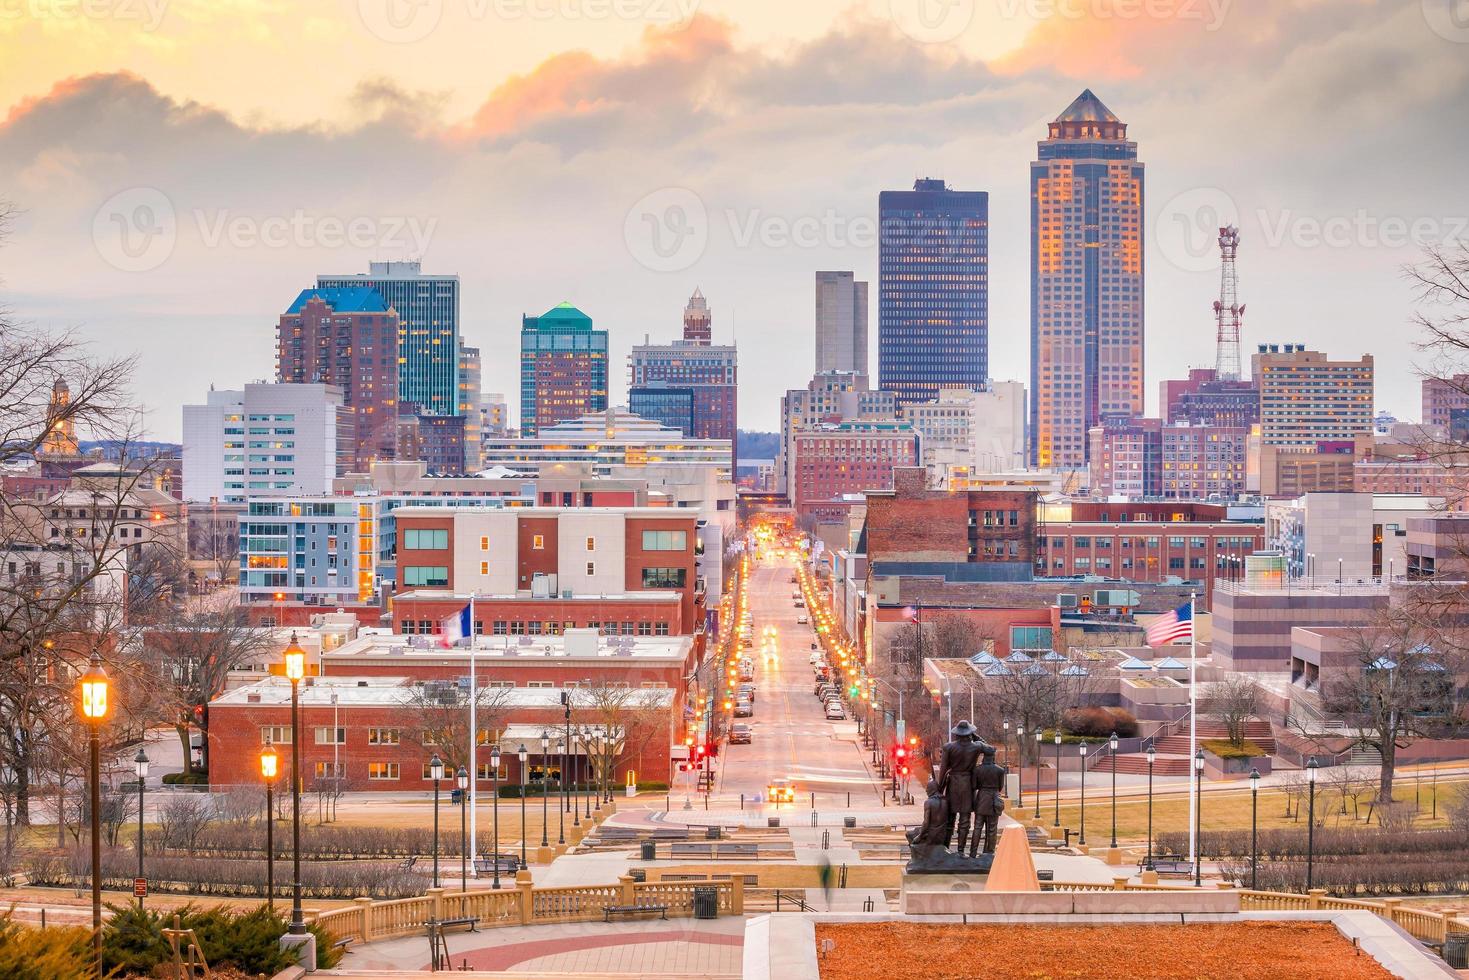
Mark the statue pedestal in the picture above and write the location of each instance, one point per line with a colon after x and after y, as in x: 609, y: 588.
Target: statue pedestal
x: 1114, y: 855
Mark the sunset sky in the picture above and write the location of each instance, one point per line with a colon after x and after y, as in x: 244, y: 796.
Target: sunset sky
x: 184, y: 167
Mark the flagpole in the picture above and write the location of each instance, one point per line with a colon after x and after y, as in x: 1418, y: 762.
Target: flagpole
x: 1193, y: 726
x: 473, y: 742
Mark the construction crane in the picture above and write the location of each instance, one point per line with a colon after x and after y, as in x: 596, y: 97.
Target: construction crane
x: 1228, y: 310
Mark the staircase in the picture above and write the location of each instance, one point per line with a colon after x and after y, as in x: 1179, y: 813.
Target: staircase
x: 1363, y: 755
x: 1173, y: 750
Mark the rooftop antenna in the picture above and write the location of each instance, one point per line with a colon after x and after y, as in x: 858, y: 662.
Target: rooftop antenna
x: 1228, y: 310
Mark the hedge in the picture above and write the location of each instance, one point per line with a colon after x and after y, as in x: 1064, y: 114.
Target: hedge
x: 211, y: 876
x: 1291, y: 843
x: 1224, y: 750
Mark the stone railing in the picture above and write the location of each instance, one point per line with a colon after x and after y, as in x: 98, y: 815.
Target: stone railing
x: 1424, y: 925
x: 523, y: 904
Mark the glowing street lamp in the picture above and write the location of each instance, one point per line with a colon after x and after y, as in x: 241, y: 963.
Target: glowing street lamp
x: 295, y: 664
x: 269, y: 767
x: 94, y: 685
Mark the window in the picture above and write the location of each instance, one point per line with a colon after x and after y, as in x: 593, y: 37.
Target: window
x: 428, y: 539
x: 538, y: 542
x: 1030, y: 638
x: 645, y: 629
x: 484, y: 568
x: 540, y: 684
x: 591, y: 568
x: 331, y: 736
x: 324, y: 770
x: 433, y: 738
x: 426, y: 575
x: 665, y: 541
x: 484, y: 544
x: 499, y: 627
x: 382, y: 770
x: 383, y: 736
x: 664, y: 578
x: 485, y: 773
x: 275, y: 734
x: 660, y: 629
x: 591, y: 544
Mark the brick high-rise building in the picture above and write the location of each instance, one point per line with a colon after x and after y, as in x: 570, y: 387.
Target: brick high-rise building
x: 835, y: 460
x: 563, y: 368
x: 1307, y: 399
x: 1446, y: 403
x: 690, y: 384
x: 347, y: 337
x: 1086, y: 275
x: 1203, y: 399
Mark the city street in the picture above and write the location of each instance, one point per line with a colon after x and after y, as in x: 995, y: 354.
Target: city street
x: 792, y: 739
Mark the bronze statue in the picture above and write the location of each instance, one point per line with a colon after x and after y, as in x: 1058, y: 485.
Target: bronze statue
x: 926, y: 842
x: 989, y: 803
x: 935, y: 824
x: 957, y: 764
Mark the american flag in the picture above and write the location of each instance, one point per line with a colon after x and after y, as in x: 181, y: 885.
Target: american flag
x: 1177, y: 625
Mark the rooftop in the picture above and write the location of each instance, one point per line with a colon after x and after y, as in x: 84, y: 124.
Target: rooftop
x: 343, y: 299
x: 388, y: 691
x: 1086, y: 107
x: 574, y: 645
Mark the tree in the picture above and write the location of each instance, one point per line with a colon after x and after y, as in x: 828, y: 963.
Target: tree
x: 440, y: 709
x: 1233, y: 702
x: 614, y: 723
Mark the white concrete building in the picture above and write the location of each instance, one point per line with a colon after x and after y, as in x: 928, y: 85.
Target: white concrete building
x: 1361, y: 536
x: 841, y: 323
x: 266, y: 439
x: 977, y: 431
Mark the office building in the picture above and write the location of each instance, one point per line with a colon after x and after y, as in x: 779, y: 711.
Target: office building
x: 841, y: 323
x: 832, y: 396
x: 428, y: 340
x: 1446, y: 404
x: 266, y: 439
x: 470, y: 404
x: 494, y: 411
x: 1359, y: 537
x: 1086, y: 276
x: 1204, y: 399
x: 933, y: 290
x: 1307, y: 399
x: 563, y: 368
x: 347, y: 337
x: 836, y: 462
x: 605, y: 440
x: 690, y: 384
x: 976, y: 431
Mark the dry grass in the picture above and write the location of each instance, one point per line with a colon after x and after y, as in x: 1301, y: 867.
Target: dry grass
x: 1236, y: 951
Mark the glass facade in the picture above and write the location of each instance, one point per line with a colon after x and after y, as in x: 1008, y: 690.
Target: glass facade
x: 673, y: 407
x: 563, y: 368
x: 933, y: 290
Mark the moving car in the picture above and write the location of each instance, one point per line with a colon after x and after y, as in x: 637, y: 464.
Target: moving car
x: 739, y: 735
x: 780, y: 791
x: 834, y: 711
x: 747, y: 691
x: 803, y: 619
x: 744, y: 709
x: 800, y: 604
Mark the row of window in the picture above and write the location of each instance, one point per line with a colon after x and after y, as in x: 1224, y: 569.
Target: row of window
x: 536, y: 627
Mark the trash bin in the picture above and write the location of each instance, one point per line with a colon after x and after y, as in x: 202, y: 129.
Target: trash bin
x: 638, y: 874
x: 650, y: 850
x: 706, y: 903
x: 1456, y: 950
x: 772, y: 821
x: 712, y: 833
x: 849, y: 822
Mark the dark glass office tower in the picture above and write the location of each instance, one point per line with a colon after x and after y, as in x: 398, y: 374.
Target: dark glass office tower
x: 933, y: 290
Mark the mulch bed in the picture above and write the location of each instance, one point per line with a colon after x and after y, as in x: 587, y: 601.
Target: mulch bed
x: 1236, y: 951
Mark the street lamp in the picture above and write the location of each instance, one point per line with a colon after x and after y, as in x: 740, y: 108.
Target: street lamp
x: 522, y: 806
x: 1004, y: 737
x: 495, y: 850
x: 94, y: 711
x: 586, y: 775
x: 140, y: 764
x: 1081, y: 838
x: 295, y: 659
x: 1254, y: 828
x: 545, y: 772
x: 461, y: 779
x: 1112, y: 743
x: 1152, y: 756
x: 1020, y: 773
x: 1311, y: 767
x: 1199, y: 818
x: 1058, y: 776
x: 269, y: 766
x: 1039, y: 735
x: 436, y: 773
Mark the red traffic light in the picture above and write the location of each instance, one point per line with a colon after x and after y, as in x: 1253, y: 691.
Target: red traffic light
x: 904, y: 770
x: 902, y: 752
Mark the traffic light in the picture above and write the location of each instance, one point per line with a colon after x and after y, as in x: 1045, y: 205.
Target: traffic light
x: 852, y: 691
x: 901, y: 753
x: 902, y: 770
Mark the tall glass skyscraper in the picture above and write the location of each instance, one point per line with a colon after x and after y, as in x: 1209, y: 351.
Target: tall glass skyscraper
x: 1086, y: 282
x: 933, y: 290
x: 428, y: 341
x: 563, y: 368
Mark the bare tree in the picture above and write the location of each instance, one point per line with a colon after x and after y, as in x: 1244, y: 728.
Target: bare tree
x: 441, y: 712
x: 1233, y: 702
x: 614, y: 723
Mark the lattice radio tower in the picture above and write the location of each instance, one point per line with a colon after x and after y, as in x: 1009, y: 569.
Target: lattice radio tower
x: 1228, y: 310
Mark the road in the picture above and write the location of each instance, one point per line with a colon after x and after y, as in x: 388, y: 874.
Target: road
x: 792, y: 738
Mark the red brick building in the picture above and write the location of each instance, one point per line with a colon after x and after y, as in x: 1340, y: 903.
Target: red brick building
x: 911, y: 524
x: 837, y: 459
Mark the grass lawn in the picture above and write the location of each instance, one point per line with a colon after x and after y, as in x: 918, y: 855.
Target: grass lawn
x: 793, y: 875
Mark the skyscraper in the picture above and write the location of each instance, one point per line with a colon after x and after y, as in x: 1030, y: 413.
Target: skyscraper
x: 469, y: 404
x: 428, y: 343
x: 563, y: 368
x: 690, y: 384
x: 841, y: 323
x: 933, y: 290
x: 1086, y: 281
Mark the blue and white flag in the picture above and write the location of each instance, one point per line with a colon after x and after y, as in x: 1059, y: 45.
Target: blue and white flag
x: 455, y: 626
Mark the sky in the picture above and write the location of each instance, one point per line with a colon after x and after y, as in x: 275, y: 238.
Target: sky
x: 183, y: 168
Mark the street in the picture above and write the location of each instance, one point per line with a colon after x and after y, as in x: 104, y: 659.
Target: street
x: 791, y: 737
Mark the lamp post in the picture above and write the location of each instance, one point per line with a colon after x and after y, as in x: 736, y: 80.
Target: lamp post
x: 269, y: 766
x: 564, y: 751
x: 569, y: 801
x: 436, y: 773
x: 1112, y: 744
x: 295, y: 659
x: 495, y: 850
x: 1311, y: 767
x: 140, y: 764
x: 545, y: 772
x: 1038, y: 738
x: 522, y: 806
x: 1020, y: 773
x: 1004, y: 737
x: 1152, y: 755
x: 94, y: 711
x: 1199, y: 817
x: 1058, y: 777
x: 586, y: 750
x: 1081, y: 839
x: 461, y: 779
x: 1254, y: 828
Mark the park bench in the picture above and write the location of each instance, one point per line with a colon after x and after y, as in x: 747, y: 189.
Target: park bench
x: 1169, y: 866
x: 608, y: 911
x: 507, y: 864
x: 408, y: 863
x: 671, y: 833
x: 690, y: 850
x: 737, y: 851
x: 469, y: 922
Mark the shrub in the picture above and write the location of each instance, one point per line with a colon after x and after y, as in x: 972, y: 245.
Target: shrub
x: 1098, y: 722
x: 44, y: 954
x: 1224, y: 750
x: 195, y: 778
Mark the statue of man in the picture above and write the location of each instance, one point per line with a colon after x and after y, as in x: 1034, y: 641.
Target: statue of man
x: 935, y: 824
x: 956, y: 779
x: 989, y: 803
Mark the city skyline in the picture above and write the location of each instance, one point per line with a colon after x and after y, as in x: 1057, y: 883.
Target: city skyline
x: 968, y: 115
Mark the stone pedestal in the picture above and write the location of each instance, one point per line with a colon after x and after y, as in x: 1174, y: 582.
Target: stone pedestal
x: 303, y: 948
x: 545, y: 855
x: 1114, y: 855
x: 1150, y: 877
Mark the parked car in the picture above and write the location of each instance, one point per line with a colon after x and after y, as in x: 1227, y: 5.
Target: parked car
x: 834, y: 711
x: 747, y: 691
x: 739, y: 735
